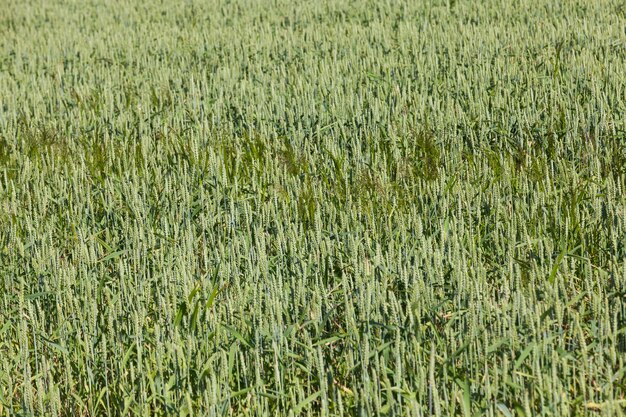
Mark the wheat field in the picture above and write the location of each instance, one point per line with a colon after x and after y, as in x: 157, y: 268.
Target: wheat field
x: 321, y: 208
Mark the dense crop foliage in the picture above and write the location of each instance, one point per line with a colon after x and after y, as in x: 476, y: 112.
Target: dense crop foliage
x: 312, y: 208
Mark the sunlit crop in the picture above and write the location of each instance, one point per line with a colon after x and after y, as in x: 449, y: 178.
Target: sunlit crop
x: 312, y: 208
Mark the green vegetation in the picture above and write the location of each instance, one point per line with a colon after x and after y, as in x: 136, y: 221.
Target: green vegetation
x: 334, y: 208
